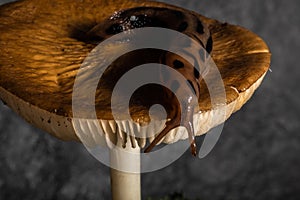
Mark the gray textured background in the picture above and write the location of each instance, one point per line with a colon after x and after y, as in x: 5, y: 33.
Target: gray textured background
x: 257, y: 157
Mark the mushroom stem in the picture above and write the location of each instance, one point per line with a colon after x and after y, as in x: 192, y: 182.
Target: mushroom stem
x: 125, y: 185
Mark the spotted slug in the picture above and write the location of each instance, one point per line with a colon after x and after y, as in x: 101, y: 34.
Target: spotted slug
x: 183, y: 21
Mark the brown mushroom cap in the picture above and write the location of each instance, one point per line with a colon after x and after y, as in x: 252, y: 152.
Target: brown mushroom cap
x: 41, y: 54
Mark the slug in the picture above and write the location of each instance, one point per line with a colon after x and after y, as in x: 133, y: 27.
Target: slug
x: 185, y: 22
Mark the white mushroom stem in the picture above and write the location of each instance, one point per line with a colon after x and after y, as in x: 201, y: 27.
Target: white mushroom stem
x: 125, y: 185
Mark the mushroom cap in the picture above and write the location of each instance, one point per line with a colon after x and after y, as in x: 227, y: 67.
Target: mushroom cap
x: 41, y: 53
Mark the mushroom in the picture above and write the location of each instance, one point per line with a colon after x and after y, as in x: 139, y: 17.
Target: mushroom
x: 43, y: 44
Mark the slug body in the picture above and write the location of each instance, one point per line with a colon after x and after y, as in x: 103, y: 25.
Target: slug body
x: 189, y: 23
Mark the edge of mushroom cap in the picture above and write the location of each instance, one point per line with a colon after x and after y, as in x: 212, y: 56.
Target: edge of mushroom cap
x: 62, y: 127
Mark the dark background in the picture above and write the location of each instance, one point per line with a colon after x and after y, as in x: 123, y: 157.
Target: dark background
x: 257, y: 156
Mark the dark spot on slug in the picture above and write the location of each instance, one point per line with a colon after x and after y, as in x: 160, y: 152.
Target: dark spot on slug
x: 114, y: 29
x: 209, y: 45
x: 197, y: 68
x: 198, y: 87
x: 190, y: 84
x: 178, y: 14
x: 178, y: 64
x: 200, y: 28
x: 42, y: 119
x: 196, y: 73
x: 175, y: 86
x: 49, y: 121
x: 183, y: 26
